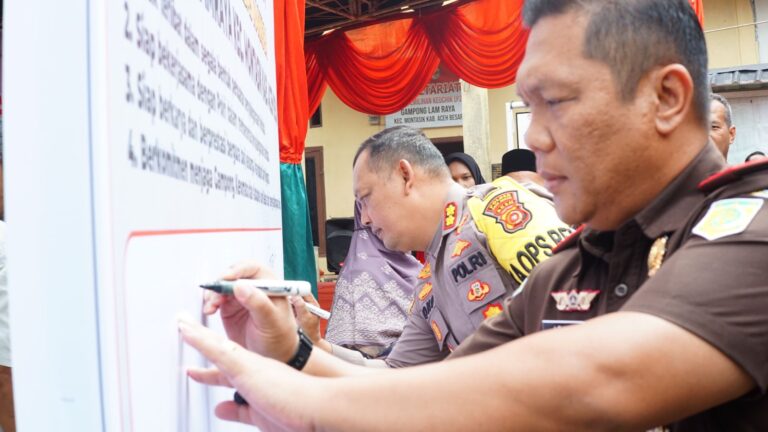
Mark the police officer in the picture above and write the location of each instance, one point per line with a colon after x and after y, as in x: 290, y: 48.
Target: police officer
x: 480, y: 244
x: 618, y: 95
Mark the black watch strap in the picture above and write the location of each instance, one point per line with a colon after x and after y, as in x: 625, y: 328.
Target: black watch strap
x: 299, y: 360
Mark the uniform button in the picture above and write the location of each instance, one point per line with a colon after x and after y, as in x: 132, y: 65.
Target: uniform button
x: 621, y: 290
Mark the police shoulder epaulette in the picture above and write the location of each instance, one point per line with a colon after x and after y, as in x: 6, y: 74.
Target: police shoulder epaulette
x: 568, y: 241
x: 732, y: 174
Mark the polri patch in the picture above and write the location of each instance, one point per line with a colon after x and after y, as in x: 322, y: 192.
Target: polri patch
x: 508, y: 211
x: 468, y: 265
x: 574, y: 300
x: 727, y: 217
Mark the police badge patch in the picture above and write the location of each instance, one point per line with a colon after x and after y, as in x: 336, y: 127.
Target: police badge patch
x: 573, y: 300
x: 477, y: 291
x: 508, y: 211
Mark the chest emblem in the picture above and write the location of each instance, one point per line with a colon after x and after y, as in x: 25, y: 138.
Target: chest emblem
x: 573, y: 300
x: 492, y: 310
x: 425, y: 272
x: 460, y: 247
x: 426, y: 290
x: 656, y: 255
x: 449, y: 216
x: 461, y: 224
x: 727, y: 217
x: 477, y: 291
x: 508, y: 212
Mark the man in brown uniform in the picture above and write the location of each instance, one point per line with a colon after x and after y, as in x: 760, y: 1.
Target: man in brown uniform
x: 618, y: 95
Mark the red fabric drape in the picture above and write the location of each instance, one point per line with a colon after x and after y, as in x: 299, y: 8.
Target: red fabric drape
x: 376, y: 69
x: 316, y: 85
x: 483, y: 43
x: 698, y: 7
x: 292, y: 104
x: 380, y: 69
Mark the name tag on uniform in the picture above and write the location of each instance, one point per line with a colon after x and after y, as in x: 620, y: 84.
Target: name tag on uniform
x: 550, y: 324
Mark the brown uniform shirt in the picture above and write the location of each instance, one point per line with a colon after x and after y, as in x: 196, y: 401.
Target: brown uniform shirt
x: 712, y: 280
x: 491, y: 237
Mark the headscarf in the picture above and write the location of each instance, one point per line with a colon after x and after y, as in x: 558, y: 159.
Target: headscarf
x: 372, y: 295
x: 467, y: 160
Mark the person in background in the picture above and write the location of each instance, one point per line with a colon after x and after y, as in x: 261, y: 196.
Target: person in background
x: 464, y: 169
x: 755, y: 155
x: 374, y: 289
x: 520, y: 165
x: 721, y: 131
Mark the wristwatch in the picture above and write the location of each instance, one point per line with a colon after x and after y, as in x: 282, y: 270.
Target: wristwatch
x: 299, y: 360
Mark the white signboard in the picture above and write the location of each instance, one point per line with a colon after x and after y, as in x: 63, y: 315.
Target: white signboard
x: 168, y: 117
x: 439, y: 105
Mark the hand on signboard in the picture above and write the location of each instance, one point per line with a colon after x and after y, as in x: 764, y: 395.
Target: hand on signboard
x: 262, y: 324
x: 279, y: 398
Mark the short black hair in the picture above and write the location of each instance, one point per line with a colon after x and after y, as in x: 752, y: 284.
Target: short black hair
x: 724, y: 102
x: 402, y: 142
x: 634, y: 36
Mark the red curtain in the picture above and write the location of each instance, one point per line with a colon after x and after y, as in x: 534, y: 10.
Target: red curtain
x: 292, y: 104
x: 698, y: 7
x: 380, y: 69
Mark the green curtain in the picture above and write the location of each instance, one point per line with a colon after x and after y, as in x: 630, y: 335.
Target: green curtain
x: 298, y: 254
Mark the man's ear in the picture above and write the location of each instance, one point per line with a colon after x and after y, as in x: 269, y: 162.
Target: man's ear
x: 406, y: 173
x: 673, y: 87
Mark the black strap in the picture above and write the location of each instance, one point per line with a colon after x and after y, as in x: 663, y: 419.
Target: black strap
x: 299, y: 360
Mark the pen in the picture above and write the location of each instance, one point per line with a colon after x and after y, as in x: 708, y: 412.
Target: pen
x: 272, y: 288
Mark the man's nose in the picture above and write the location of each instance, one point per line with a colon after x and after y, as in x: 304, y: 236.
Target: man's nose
x: 365, y: 219
x: 537, y: 137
